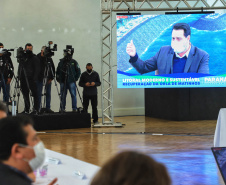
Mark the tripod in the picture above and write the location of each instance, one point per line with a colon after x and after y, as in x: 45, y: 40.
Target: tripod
x: 48, y: 70
x: 67, y: 69
x: 18, y: 85
x: 6, y: 72
x: 2, y: 79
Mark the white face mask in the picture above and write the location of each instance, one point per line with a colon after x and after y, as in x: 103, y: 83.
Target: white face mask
x: 1, y: 50
x: 39, y: 150
x: 180, y: 47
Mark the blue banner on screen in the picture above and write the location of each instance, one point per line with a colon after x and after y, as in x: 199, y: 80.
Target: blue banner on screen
x: 171, y: 51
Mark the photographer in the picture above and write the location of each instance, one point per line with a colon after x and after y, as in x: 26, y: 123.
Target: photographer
x: 49, y: 75
x: 68, y: 72
x: 29, y: 69
x: 6, y: 72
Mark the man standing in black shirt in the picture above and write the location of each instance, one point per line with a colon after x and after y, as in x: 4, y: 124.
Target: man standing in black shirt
x: 89, y: 81
x: 6, y: 72
x: 29, y: 69
x: 47, y: 73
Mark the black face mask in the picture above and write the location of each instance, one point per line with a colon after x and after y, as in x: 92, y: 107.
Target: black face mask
x: 89, y: 70
x: 28, y: 52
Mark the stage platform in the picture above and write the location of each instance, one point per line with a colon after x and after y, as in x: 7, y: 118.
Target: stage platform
x: 56, y: 121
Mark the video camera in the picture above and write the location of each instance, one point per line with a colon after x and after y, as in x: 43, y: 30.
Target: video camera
x: 49, y: 52
x: 6, y: 52
x: 68, y: 52
x: 20, y: 53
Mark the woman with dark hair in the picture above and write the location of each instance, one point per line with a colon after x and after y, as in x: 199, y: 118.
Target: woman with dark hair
x: 132, y: 168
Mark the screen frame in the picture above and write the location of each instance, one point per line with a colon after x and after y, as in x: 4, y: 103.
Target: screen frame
x: 206, y: 12
x: 188, y: 86
x: 212, y: 148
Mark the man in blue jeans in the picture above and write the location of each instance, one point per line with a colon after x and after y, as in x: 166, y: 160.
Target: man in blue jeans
x: 67, y: 73
x: 46, y: 76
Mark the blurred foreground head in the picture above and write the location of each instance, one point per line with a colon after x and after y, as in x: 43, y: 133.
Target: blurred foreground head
x: 132, y: 168
x: 3, y: 110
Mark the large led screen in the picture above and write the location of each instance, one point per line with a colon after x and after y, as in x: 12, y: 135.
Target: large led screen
x: 171, y: 51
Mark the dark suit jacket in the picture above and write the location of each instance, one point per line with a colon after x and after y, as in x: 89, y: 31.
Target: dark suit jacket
x: 197, y: 62
x: 11, y: 176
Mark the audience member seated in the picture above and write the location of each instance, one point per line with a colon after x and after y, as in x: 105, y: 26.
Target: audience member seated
x: 3, y: 110
x: 3, y: 114
x: 132, y: 168
x: 21, y: 151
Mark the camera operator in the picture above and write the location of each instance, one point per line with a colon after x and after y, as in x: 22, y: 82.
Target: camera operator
x: 6, y: 71
x: 29, y: 70
x: 42, y: 75
x: 68, y: 72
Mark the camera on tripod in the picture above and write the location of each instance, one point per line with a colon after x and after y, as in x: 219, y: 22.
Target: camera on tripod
x: 68, y: 52
x: 20, y: 54
x: 49, y: 52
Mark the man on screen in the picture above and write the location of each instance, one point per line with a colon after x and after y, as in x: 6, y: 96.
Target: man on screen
x: 180, y: 57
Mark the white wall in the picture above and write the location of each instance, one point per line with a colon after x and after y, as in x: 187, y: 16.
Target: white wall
x: 70, y: 22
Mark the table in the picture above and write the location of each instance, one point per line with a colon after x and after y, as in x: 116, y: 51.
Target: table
x: 220, y: 132
x: 65, y: 171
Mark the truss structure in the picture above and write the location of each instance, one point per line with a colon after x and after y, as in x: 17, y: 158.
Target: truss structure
x: 108, y: 7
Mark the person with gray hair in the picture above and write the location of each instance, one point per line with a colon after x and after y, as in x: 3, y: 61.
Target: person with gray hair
x: 45, y: 79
